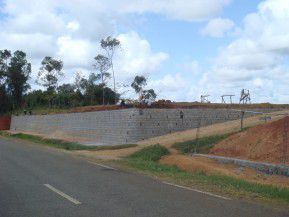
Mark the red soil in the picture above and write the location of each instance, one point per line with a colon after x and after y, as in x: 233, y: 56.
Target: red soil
x: 264, y: 143
x: 162, y: 104
x: 5, y: 122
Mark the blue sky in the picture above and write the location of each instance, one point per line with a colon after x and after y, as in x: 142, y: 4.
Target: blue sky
x: 182, y: 40
x: 185, y: 47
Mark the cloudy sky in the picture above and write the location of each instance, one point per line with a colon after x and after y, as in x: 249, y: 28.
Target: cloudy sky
x: 185, y: 47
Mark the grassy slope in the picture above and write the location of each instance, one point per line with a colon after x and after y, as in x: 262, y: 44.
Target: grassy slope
x: 202, y: 145
x: 146, y: 160
x: 56, y: 143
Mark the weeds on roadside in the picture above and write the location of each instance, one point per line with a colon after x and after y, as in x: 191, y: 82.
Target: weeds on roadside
x: 61, y: 144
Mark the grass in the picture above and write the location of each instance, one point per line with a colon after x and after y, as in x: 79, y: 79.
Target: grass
x: 202, y: 145
x: 151, y: 153
x: 57, y: 143
x: 41, y: 110
x: 146, y: 160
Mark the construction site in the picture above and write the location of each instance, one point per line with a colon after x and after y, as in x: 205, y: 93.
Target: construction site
x: 255, y: 146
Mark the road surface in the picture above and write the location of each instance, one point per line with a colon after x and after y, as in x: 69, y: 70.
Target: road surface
x: 38, y: 181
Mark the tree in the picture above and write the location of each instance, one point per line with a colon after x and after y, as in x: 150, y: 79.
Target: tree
x: 5, y: 104
x: 138, y: 85
x: 66, y: 95
x: 4, y: 98
x: 48, y: 76
x: 14, y: 71
x: 110, y: 45
x: 77, y: 80
x: 149, y: 95
x: 50, y: 72
x: 102, y: 65
x: 5, y: 55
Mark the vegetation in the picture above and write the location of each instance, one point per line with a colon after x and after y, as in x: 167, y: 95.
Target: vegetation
x: 102, y: 64
x: 145, y: 96
x: 146, y: 160
x: 151, y: 153
x: 219, y: 183
x: 56, y: 143
x: 110, y: 45
x: 15, y: 73
x: 201, y: 146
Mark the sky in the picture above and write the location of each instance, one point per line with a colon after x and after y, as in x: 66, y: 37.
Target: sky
x: 185, y: 48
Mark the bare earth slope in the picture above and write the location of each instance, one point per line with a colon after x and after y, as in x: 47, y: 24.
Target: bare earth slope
x: 261, y: 143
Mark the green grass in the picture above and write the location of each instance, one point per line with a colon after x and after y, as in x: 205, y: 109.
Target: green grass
x: 151, y: 153
x: 41, y: 110
x: 202, y: 145
x: 216, y: 183
x: 146, y: 160
x: 56, y: 143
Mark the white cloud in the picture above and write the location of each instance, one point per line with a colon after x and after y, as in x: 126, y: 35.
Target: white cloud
x: 218, y: 27
x: 175, y: 86
x: 71, y: 30
x: 189, y: 10
x: 73, y: 25
x: 75, y: 52
x: 257, y: 59
x: 136, y: 56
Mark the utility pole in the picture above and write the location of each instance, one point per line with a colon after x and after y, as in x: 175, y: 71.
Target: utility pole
x: 242, y: 119
x: 285, y: 140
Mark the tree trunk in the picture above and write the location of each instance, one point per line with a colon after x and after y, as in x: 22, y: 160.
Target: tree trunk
x: 102, y: 88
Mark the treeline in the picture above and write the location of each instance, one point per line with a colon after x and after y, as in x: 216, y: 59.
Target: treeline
x: 15, y: 74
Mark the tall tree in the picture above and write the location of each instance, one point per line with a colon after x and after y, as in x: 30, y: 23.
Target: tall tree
x: 17, y: 70
x: 138, y: 84
x: 102, y: 64
x: 5, y: 104
x: 5, y: 55
x: 66, y: 95
x: 48, y: 76
x: 145, y: 96
x: 77, y: 80
x: 50, y: 72
x: 110, y: 45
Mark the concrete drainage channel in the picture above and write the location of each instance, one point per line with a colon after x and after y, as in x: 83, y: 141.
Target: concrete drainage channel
x: 268, y: 168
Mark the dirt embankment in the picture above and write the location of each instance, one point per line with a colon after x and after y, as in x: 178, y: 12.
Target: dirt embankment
x: 169, y: 139
x: 266, y: 143
x: 212, y: 167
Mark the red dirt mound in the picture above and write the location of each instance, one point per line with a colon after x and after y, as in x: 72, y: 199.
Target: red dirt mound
x: 5, y: 122
x: 266, y: 143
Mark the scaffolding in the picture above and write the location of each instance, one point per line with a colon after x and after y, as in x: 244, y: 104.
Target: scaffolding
x: 245, y: 97
x: 205, y: 99
x: 227, y: 96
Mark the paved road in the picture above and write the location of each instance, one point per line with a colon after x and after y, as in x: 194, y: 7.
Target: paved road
x: 75, y: 187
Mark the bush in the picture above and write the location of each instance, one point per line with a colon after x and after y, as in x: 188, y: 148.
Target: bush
x: 151, y: 153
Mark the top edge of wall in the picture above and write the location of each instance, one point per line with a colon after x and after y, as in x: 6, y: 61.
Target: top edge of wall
x: 136, y: 109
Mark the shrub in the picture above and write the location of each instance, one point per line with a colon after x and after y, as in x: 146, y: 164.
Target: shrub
x: 151, y: 153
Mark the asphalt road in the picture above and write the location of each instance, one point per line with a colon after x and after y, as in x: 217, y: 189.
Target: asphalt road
x: 40, y: 182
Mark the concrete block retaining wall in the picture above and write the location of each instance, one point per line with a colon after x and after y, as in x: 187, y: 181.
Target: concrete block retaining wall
x: 268, y: 168
x: 119, y: 126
